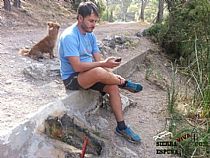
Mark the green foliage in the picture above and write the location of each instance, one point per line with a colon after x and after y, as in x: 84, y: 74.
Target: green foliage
x: 128, y: 10
x: 151, y: 10
x: 116, y: 12
x: 101, y: 5
x: 158, y: 31
x: 111, y: 13
x: 133, y: 8
x: 188, y: 23
x: 185, y: 36
x: 172, y: 94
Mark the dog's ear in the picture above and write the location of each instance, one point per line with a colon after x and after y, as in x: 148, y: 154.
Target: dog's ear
x: 57, y: 25
x: 50, y: 24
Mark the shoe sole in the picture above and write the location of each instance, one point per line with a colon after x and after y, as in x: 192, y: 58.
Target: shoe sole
x: 130, y: 90
x: 128, y: 139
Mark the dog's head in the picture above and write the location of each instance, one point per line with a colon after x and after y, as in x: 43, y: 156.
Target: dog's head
x: 53, y: 28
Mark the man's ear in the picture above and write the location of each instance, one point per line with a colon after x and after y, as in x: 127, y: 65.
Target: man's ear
x: 80, y: 18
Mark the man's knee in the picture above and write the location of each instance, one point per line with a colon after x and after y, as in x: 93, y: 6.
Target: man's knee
x: 111, y: 89
x: 98, y: 72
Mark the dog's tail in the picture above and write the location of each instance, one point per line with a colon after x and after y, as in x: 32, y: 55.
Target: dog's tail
x: 24, y: 51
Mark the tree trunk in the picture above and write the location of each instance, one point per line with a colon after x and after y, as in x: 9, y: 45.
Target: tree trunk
x: 143, y: 6
x: 123, y: 11
x: 160, y: 11
x: 7, y: 5
x: 16, y: 3
x: 111, y: 16
x: 170, y: 4
x: 107, y: 10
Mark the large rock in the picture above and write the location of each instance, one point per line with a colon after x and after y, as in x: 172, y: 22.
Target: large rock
x: 26, y: 140
x: 66, y: 130
x: 42, y: 71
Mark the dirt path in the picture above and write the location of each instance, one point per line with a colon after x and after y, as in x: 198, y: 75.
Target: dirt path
x: 20, y: 96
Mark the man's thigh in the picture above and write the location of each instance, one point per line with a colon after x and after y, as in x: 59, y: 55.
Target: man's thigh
x: 72, y: 84
x: 88, y: 78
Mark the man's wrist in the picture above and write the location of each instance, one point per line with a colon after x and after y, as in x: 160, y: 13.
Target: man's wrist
x: 102, y: 63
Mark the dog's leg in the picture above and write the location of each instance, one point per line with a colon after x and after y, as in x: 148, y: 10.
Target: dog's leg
x: 51, y: 54
x: 37, y: 55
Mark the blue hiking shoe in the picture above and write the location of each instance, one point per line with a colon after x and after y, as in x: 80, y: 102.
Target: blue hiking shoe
x: 132, y: 86
x: 129, y: 135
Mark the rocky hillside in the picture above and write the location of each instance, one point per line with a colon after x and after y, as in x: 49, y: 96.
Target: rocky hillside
x: 36, y: 12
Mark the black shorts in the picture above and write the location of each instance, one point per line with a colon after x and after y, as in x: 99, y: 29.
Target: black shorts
x: 71, y: 83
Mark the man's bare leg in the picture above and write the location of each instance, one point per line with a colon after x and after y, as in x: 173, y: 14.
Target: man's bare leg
x: 115, y: 101
x: 89, y: 78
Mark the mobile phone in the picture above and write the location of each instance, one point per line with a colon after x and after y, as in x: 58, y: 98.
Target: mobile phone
x: 118, y: 60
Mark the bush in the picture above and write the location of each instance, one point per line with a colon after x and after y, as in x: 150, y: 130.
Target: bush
x: 185, y: 36
x: 187, y: 24
x: 157, y: 31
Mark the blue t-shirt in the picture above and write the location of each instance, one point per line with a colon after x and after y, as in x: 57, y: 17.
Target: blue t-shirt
x: 73, y: 43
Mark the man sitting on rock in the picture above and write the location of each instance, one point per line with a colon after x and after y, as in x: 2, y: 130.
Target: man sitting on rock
x: 82, y: 66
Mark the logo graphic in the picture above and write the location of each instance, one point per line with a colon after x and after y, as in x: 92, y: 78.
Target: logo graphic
x: 180, y: 138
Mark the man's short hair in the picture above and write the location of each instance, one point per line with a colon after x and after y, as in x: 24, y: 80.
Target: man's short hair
x: 86, y: 9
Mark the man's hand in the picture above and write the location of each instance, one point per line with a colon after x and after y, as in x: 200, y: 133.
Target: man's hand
x: 110, y: 62
x: 122, y: 80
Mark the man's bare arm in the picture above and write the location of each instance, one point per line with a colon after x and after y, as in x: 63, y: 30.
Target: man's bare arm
x: 84, y: 66
x: 98, y: 57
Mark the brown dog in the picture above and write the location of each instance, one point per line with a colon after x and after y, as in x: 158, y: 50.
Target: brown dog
x: 46, y: 45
